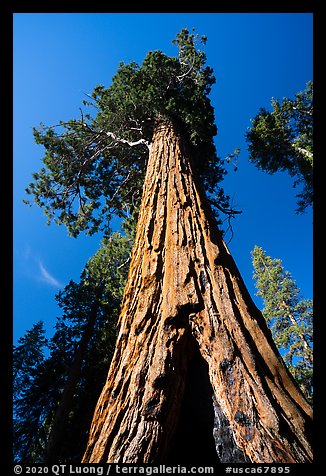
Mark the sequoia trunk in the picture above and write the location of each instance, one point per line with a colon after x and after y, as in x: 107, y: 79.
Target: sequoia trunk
x: 193, y: 351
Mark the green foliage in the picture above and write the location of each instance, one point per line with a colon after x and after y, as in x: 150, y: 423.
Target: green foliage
x: 28, y: 360
x: 288, y: 316
x: 94, y: 166
x: 282, y: 140
x: 28, y: 354
x: 39, y: 382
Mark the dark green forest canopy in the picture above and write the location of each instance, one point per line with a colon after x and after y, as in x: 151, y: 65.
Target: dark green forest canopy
x: 94, y: 166
x: 84, y: 339
x: 282, y: 140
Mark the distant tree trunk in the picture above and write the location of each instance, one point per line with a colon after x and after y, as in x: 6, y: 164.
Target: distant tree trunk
x: 52, y: 451
x: 195, y: 372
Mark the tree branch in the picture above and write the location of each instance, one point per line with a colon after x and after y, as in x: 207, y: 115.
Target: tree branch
x: 124, y: 141
x: 303, y: 151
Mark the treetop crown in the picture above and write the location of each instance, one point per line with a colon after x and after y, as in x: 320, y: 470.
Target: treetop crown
x: 95, y: 165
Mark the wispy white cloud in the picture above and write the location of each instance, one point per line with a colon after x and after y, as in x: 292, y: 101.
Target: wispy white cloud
x: 47, y: 277
x: 29, y: 264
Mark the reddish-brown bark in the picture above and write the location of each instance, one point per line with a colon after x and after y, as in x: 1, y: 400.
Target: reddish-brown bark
x: 185, y: 302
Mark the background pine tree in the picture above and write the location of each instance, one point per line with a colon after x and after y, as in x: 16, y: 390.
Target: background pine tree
x: 282, y: 140
x: 288, y: 315
x: 42, y: 366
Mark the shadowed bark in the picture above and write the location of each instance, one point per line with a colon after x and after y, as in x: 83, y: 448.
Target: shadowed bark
x: 187, y: 321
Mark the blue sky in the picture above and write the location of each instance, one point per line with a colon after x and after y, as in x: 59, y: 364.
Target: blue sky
x: 59, y: 57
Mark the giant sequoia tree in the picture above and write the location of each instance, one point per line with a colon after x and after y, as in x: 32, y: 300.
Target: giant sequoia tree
x: 195, y: 376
